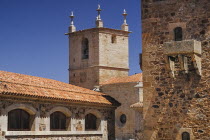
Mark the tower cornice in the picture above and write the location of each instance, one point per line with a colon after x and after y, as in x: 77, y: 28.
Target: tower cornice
x: 102, y: 30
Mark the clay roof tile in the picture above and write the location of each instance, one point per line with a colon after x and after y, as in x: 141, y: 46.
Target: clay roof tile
x: 30, y: 86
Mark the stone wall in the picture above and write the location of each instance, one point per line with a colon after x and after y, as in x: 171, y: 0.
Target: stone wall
x: 173, y: 105
x: 127, y: 94
x: 82, y: 71
x: 41, y: 124
x: 113, y: 54
x: 107, y: 73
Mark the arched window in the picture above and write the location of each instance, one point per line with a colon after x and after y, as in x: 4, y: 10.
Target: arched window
x: 185, y: 136
x: 57, y: 121
x: 18, y: 120
x: 90, y: 122
x: 178, y: 35
x: 85, y: 48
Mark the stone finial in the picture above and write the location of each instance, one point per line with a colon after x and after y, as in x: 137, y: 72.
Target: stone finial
x: 72, y: 18
x: 125, y: 15
x: 99, y: 12
x: 124, y: 26
x: 99, y: 22
x: 72, y: 28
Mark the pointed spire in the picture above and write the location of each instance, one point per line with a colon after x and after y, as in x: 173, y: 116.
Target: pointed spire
x: 72, y: 28
x: 99, y: 22
x: 124, y: 26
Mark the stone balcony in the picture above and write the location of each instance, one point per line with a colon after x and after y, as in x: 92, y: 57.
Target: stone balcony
x: 183, y: 56
x: 182, y: 47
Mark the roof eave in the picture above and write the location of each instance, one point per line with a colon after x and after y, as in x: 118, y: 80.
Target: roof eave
x: 59, y: 100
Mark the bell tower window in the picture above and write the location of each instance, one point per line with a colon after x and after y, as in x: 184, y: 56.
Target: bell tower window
x: 178, y: 34
x: 85, y: 48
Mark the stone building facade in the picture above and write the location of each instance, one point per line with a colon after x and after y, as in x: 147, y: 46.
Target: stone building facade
x: 176, y: 45
x: 99, y: 60
x: 38, y: 108
x: 128, y: 91
x: 97, y: 54
x: 102, y: 44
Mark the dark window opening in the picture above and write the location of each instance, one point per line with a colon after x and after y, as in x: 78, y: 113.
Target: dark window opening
x: 140, y: 61
x: 57, y: 121
x: 123, y: 118
x: 185, y: 136
x: 178, y: 35
x: 90, y: 122
x: 18, y: 120
x: 114, y: 39
x: 85, y: 49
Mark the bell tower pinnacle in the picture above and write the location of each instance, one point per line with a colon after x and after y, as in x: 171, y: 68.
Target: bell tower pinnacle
x: 72, y: 28
x: 124, y: 26
x: 99, y: 22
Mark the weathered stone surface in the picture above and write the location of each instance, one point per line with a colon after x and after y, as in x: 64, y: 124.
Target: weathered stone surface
x: 127, y: 94
x: 182, y: 47
x: 181, y: 104
x: 107, y: 57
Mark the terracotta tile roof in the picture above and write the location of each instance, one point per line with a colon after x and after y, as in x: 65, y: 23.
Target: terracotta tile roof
x: 126, y: 79
x: 31, y: 86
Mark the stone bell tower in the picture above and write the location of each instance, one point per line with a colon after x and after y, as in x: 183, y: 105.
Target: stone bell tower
x: 176, y: 76
x: 97, y: 54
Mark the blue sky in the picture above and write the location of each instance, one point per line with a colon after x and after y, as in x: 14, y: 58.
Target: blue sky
x: 32, y: 39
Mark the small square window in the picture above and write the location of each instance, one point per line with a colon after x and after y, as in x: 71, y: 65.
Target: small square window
x: 114, y: 39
